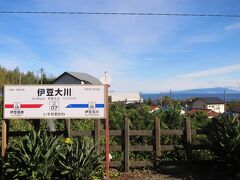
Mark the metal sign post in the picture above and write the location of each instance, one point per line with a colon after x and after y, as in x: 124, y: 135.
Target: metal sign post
x: 106, y: 81
x: 4, y: 131
x: 4, y: 138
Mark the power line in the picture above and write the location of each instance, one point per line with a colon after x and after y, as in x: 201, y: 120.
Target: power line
x: 120, y: 13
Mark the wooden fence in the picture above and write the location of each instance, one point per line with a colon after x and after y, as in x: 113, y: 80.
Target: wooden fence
x: 156, y: 146
x: 125, y: 147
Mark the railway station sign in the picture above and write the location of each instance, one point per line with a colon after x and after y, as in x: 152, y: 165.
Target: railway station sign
x: 53, y: 101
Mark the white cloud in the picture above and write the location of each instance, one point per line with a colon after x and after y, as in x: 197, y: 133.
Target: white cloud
x: 176, y: 84
x: 16, y: 47
x: 232, y: 27
x: 212, y: 72
x: 154, y: 60
x: 231, y: 83
x: 96, y: 60
x: 8, y: 40
x: 117, y: 44
x: 202, y: 39
x: 9, y: 63
x: 215, y: 77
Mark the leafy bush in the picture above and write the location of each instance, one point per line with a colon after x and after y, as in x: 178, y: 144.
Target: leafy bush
x: 33, y: 157
x: 171, y: 117
x: 141, y: 118
x: 79, y: 124
x: 78, y: 160
x: 116, y: 114
x: 199, y: 119
x: 224, y: 138
x: 43, y: 156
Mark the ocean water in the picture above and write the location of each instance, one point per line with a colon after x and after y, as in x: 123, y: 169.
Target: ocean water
x: 183, y: 96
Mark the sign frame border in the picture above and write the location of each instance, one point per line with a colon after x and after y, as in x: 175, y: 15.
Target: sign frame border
x: 41, y: 118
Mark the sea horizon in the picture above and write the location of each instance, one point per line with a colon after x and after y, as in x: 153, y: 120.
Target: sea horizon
x: 229, y: 97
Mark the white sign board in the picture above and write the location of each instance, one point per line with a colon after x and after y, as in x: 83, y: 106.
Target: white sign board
x: 53, y: 101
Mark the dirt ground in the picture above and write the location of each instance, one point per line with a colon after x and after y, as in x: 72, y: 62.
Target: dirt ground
x: 145, y: 176
x: 207, y: 172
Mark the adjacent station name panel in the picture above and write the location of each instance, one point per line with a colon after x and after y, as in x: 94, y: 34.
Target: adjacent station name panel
x: 53, y: 101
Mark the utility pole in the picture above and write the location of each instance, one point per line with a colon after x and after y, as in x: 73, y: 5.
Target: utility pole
x: 140, y: 99
x: 41, y: 70
x: 161, y: 99
x: 224, y: 99
x: 20, y: 78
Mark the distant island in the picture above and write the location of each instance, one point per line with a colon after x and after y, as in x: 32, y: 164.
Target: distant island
x: 231, y: 95
x: 209, y: 90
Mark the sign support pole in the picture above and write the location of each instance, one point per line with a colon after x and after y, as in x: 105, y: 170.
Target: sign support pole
x: 4, y: 137
x: 4, y: 130
x: 106, y: 129
x: 4, y: 142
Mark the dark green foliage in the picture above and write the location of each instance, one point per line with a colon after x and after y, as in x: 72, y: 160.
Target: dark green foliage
x: 86, y: 124
x: 43, y: 156
x: 198, y: 119
x: 29, y: 78
x: 167, y: 101
x: 0, y: 107
x: 47, y: 79
x: 162, y: 101
x: 78, y: 161
x: 223, y: 135
x: 116, y: 114
x: 141, y: 118
x: 171, y: 117
x: 13, y: 77
x: 33, y: 157
x: 224, y: 138
x: 233, y: 106
x: 149, y: 101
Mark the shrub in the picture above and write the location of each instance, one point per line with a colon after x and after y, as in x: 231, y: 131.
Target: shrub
x: 116, y: 114
x: 33, y: 157
x: 224, y: 138
x: 141, y: 118
x: 199, y: 119
x: 78, y: 160
x: 43, y: 156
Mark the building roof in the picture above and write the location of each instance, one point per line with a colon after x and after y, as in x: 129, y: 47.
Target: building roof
x: 211, y: 100
x: 209, y: 112
x: 82, y: 77
x: 154, y: 108
x: 125, y: 96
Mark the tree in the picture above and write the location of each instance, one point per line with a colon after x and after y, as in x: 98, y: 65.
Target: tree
x: 199, y: 119
x: 14, y: 76
x: 167, y: 101
x: 233, y: 106
x: 149, y: 101
x: 171, y: 116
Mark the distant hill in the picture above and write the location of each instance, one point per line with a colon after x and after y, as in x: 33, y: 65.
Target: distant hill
x: 209, y: 90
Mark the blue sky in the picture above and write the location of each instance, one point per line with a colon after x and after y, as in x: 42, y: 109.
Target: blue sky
x: 140, y: 53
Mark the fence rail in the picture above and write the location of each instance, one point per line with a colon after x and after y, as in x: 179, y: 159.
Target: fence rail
x: 186, y: 134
